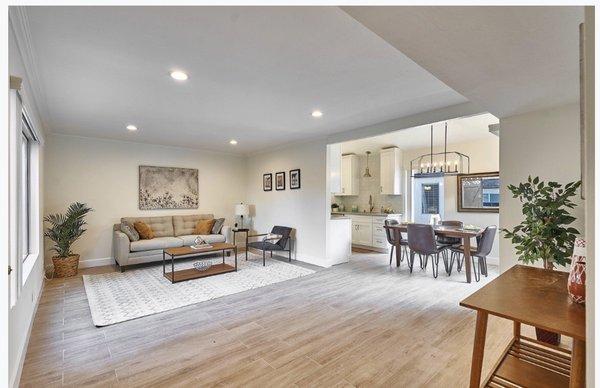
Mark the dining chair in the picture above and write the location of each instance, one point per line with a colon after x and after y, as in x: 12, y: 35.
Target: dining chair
x: 484, y: 247
x: 394, y: 237
x: 421, y: 240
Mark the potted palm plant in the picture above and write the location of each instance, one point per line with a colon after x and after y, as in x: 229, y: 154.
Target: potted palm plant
x: 544, y: 234
x: 64, y: 230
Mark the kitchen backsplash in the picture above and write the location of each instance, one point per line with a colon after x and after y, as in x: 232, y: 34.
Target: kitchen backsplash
x: 370, y: 186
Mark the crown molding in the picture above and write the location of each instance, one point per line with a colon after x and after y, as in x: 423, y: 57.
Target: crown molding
x: 19, y: 22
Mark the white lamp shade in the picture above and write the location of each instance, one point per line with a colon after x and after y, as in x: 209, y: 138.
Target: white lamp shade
x: 242, y: 210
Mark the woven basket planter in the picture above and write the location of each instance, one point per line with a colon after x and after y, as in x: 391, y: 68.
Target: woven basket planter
x: 65, y: 267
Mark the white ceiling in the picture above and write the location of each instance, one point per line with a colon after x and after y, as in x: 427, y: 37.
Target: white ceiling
x: 509, y: 60
x: 255, y: 74
x: 460, y: 130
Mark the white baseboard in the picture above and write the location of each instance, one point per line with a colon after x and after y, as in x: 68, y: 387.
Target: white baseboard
x: 96, y: 262
x: 311, y: 260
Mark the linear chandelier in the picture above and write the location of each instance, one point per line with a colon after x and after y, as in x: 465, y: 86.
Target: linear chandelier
x: 440, y: 164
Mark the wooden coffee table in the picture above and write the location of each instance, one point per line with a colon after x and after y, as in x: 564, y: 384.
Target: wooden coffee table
x: 192, y: 273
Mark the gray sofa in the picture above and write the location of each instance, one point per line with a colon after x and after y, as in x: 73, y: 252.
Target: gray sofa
x: 169, y: 231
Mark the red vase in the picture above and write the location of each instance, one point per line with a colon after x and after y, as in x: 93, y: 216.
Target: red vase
x: 576, y: 283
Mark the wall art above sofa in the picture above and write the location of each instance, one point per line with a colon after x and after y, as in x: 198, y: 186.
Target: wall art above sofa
x: 168, y: 188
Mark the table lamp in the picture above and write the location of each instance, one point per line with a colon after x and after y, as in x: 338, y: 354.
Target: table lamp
x: 242, y: 210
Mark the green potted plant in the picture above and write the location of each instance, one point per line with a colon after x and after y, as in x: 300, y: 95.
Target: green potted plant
x: 64, y: 230
x: 544, y: 234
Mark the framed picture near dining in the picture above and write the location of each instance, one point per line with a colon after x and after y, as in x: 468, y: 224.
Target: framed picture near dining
x: 295, y: 179
x: 280, y: 181
x: 267, y: 182
x: 478, y: 193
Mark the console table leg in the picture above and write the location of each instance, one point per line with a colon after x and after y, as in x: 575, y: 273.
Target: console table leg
x: 478, y: 348
x: 578, y: 364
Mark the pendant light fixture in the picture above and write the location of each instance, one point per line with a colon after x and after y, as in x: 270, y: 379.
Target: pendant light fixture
x: 440, y: 163
x: 367, y: 172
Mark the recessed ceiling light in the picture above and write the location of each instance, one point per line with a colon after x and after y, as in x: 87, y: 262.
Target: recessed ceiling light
x: 179, y: 75
x: 131, y: 127
x: 233, y: 142
x: 317, y: 113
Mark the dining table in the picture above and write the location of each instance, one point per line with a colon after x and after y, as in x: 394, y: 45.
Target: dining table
x: 466, y: 234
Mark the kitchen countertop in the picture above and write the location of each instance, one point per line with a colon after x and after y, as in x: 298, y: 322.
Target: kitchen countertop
x: 373, y: 214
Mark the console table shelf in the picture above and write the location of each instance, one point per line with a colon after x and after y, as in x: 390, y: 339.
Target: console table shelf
x: 527, y: 363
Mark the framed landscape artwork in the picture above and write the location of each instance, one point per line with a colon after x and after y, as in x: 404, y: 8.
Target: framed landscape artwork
x: 267, y: 182
x: 295, y: 179
x: 280, y: 181
x: 168, y: 188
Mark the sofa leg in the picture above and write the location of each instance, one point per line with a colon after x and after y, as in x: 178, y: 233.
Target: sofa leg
x: 121, y: 269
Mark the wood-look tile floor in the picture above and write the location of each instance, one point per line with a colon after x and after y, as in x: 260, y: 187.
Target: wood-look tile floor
x: 363, y: 323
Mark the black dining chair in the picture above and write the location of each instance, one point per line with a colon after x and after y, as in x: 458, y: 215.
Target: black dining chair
x: 484, y: 247
x: 421, y: 240
x: 279, y: 244
x: 394, y: 238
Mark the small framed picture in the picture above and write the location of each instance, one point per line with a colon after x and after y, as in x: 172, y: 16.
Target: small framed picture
x: 267, y: 182
x: 280, y: 180
x: 295, y: 179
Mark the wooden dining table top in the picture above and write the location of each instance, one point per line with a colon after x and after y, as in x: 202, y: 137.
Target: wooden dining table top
x: 443, y: 230
x: 533, y: 296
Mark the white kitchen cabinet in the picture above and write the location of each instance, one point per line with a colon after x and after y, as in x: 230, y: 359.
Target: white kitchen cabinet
x: 362, y: 233
x: 334, y: 152
x: 368, y: 231
x: 391, y: 171
x: 350, y: 175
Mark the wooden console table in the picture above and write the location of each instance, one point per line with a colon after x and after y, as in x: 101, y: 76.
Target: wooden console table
x: 537, y: 297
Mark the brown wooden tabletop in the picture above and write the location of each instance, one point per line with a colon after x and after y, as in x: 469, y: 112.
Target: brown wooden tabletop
x: 533, y: 296
x: 448, y: 231
x: 186, y: 250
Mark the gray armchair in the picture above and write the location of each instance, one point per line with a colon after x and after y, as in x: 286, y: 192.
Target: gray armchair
x: 275, y: 245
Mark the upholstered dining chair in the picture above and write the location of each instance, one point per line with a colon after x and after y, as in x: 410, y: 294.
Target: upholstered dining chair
x: 484, y: 247
x: 394, y: 238
x: 421, y: 240
x: 278, y: 244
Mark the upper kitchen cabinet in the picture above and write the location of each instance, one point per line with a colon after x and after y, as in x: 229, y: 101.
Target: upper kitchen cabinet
x: 334, y: 153
x: 350, y: 175
x: 391, y: 171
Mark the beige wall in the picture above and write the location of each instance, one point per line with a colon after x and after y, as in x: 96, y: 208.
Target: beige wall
x: 545, y: 144
x: 304, y: 209
x: 484, y: 155
x: 104, y: 174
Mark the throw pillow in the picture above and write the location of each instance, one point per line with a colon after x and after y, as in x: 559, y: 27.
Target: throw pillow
x: 130, y: 231
x: 218, y: 225
x: 144, y: 230
x: 204, y: 227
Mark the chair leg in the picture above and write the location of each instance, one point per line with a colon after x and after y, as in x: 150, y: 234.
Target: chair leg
x: 434, y: 264
x: 460, y: 259
x: 446, y: 266
x: 411, y: 261
x: 290, y: 255
x: 391, y: 254
x: 426, y: 262
x: 264, y: 260
x: 484, y: 262
x: 271, y: 254
x: 452, y: 259
x: 476, y: 268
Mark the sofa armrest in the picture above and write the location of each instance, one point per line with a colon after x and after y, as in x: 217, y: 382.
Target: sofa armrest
x: 120, y: 247
x: 226, y: 231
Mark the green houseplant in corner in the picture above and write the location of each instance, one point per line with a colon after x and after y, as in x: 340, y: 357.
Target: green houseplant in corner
x: 544, y: 234
x: 64, y: 230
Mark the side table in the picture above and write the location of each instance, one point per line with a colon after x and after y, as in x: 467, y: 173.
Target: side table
x: 242, y: 230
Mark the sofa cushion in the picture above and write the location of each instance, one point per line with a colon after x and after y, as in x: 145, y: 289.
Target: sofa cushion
x: 155, y: 243
x: 161, y: 226
x: 144, y: 230
x: 185, y: 225
x: 210, y: 238
x: 218, y: 225
x: 204, y: 227
x: 129, y: 231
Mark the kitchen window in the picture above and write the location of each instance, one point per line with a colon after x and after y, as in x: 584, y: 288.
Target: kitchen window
x: 430, y: 198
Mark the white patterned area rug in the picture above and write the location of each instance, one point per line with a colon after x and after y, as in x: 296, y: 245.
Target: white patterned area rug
x: 117, y: 297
